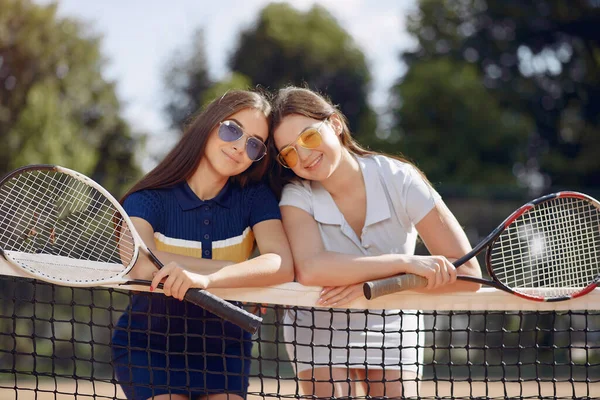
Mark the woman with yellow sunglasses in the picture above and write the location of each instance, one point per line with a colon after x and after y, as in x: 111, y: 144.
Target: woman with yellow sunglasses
x: 353, y: 215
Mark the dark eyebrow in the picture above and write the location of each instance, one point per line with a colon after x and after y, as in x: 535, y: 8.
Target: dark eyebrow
x: 237, y: 122
x: 242, y: 126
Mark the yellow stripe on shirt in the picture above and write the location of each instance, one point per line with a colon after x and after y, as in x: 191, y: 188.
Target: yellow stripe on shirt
x: 236, y: 249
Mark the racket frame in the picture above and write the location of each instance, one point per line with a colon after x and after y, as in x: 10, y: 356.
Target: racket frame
x: 119, y: 278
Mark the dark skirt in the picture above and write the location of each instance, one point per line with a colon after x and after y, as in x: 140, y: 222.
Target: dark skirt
x: 165, y: 346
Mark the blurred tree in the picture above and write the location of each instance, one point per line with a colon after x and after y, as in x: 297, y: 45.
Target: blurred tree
x: 234, y: 81
x: 187, y: 81
x: 539, y: 58
x: 55, y: 106
x: 453, y: 128
x: 286, y: 46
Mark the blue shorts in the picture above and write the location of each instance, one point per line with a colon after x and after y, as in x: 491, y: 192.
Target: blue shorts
x: 164, y: 346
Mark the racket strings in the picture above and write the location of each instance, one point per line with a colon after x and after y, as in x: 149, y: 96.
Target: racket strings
x: 73, y: 200
x: 551, y: 250
x: 38, y: 214
x: 53, y: 213
x: 543, y: 251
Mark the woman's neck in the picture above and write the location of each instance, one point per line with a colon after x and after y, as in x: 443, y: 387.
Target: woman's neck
x: 205, y: 182
x: 346, y: 175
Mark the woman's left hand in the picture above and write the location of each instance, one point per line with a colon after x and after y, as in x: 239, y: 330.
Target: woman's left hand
x: 177, y: 281
x: 339, y: 295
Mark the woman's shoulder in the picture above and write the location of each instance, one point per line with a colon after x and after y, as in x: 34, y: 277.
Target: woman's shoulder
x: 155, y: 199
x: 148, y: 194
x: 391, y: 165
x: 298, y: 193
x: 148, y: 204
x: 251, y: 188
x: 251, y: 192
x: 298, y: 185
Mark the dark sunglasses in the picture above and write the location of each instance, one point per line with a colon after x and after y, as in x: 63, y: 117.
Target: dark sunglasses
x: 229, y: 131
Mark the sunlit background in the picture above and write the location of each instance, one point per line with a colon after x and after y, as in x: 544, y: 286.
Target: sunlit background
x: 497, y: 101
x: 491, y: 99
x: 143, y: 39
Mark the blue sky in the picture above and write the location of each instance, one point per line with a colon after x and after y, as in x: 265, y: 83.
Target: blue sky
x: 140, y: 35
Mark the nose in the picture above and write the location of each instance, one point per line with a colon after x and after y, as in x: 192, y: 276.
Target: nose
x: 239, y: 146
x: 303, y: 153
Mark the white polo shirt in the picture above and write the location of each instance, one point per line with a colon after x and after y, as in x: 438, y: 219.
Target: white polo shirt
x: 397, y: 199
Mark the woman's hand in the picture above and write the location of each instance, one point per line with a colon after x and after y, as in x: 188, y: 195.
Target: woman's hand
x: 339, y: 295
x: 178, y: 280
x: 438, y: 270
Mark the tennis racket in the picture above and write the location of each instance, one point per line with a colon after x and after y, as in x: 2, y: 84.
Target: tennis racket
x: 62, y: 227
x: 547, y: 250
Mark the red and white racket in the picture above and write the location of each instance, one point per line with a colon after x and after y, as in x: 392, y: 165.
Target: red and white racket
x: 62, y: 227
x: 547, y: 250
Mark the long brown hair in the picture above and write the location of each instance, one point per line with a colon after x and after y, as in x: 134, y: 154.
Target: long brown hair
x: 295, y: 100
x: 183, y: 159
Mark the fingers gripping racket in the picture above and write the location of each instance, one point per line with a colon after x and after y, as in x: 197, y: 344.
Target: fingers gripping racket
x: 547, y: 250
x: 62, y: 227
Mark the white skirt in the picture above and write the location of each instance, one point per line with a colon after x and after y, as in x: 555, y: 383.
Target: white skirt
x: 374, y: 339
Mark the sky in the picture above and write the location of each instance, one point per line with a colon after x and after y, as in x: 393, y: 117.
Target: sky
x: 139, y: 36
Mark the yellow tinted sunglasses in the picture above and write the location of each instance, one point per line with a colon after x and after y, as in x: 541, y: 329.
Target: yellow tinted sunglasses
x: 309, y: 139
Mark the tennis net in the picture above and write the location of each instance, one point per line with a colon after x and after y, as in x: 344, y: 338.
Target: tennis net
x: 55, y: 343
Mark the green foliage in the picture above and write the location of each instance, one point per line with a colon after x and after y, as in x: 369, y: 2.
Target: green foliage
x: 286, y: 46
x: 189, y: 86
x: 44, y: 134
x: 454, y: 129
x: 55, y: 105
x: 187, y: 81
x: 235, y: 81
x: 539, y: 60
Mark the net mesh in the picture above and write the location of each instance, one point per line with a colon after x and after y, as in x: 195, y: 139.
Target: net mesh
x: 55, y: 343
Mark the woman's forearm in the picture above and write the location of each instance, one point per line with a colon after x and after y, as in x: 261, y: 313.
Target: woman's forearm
x: 202, y: 266
x: 338, y: 269
x: 264, y: 270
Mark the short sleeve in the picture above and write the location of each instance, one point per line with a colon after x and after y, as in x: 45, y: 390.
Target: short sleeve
x: 412, y: 195
x: 146, y: 204
x: 420, y: 197
x: 296, y: 194
x: 263, y: 205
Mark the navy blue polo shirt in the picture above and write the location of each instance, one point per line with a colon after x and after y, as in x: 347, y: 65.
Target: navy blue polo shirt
x: 219, y: 228
x: 176, y: 346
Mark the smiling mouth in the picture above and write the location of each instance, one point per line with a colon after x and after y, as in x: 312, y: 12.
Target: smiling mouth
x: 315, y: 162
x: 230, y: 157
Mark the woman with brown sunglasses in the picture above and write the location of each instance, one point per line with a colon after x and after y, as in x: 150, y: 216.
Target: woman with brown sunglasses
x: 353, y: 215
x: 203, y: 209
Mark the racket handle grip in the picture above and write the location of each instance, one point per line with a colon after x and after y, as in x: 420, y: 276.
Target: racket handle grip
x: 380, y: 287
x: 224, y: 309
